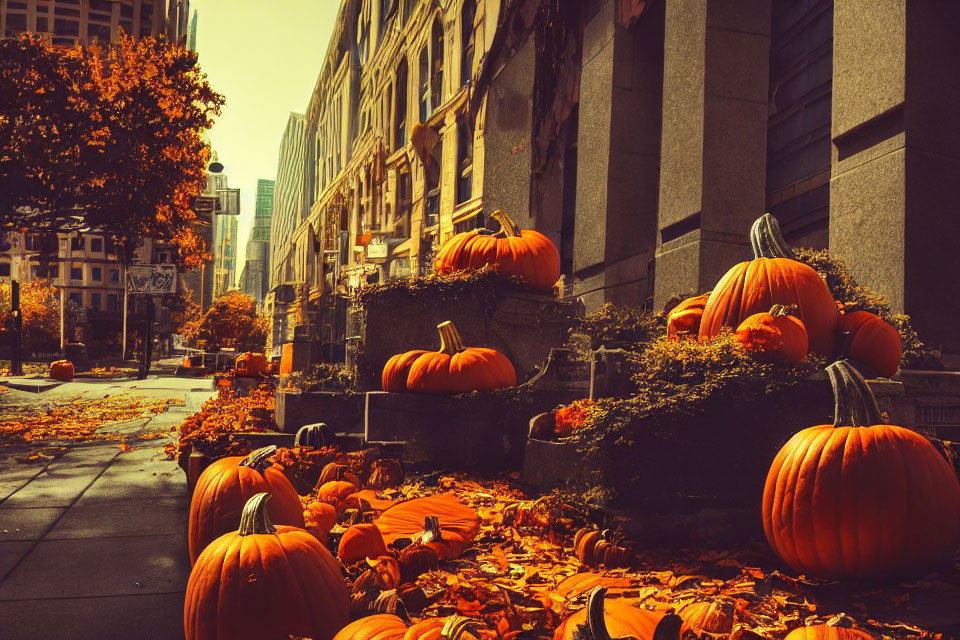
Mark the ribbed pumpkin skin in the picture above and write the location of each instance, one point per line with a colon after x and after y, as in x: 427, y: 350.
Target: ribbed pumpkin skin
x: 361, y: 541
x: 250, y: 365
x: 474, y: 369
x: 265, y: 587
x: 622, y: 621
x: 712, y: 617
x: 875, y: 342
x: 532, y: 256
x: 405, y: 520
x: 380, y: 626
x: 394, y: 376
x: 61, y: 370
x: 684, y: 319
x: 861, y: 502
x: 780, y: 337
x: 755, y: 286
x: 827, y: 632
x: 222, y: 490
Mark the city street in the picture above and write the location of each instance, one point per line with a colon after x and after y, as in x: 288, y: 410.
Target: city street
x: 93, y: 538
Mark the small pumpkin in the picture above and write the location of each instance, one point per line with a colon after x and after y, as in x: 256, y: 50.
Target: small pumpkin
x: 456, y: 368
x: 361, y: 541
x: 320, y: 518
x: 317, y: 435
x: 594, y: 548
x: 714, y: 617
x: 385, y: 473
x: 525, y: 253
x: 828, y: 632
x: 250, y: 365
x: 776, y: 334
x: 772, y: 277
x: 225, y: 486
x: 617, y: 619
x: 380, y: 626
x: 61, y: 370
x: 417, y: 559
x: 337, y: 493
x: 684, y: 319
x: 263, y: 581
x: 858, y: 498
x: 868, y: 338
x: 395, y: 372
x: 338, y: 471
x: 448, y: 545
x: 454, y: 627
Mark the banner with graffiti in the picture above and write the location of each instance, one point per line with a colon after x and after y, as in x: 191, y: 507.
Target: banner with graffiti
x: 152, y: 279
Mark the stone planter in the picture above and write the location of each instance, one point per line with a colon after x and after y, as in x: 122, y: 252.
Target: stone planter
x: 343, y: 412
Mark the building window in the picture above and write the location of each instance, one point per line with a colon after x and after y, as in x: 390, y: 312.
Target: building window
x: 95, y: 301
x: 436, y: 78
x: 400, y: 111
x: 363, y: 33
x: 76, y: 243
x: 468, y: 15
x: 76, y: 273
x: 162, y: 257
x: 5, y: 269
x: 114, y: 275
x: 433, y: 170
x: 424, y: 83
x: 108, y: 245
x: 77, y: 298
x: 113, y: 302
x: 464, y: 160
x: 54, y: 271
x: 96, y: 274
x: 96, y: 245
x: 476, y: 222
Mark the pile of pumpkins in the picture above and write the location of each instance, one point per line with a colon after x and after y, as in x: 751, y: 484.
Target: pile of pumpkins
x: 456, y: 368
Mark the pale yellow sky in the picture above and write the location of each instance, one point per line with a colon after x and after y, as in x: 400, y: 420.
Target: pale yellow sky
x: 265, y: 58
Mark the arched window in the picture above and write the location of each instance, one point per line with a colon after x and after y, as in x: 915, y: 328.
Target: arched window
x: 436, y: 78
x: 464, y: 160
x: 468, y: 14
x: 363, y: 33
x: 400, y: 108
x: 424, y: 83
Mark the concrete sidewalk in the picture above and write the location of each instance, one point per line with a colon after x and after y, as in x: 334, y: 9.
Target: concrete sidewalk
x: 93, y: 543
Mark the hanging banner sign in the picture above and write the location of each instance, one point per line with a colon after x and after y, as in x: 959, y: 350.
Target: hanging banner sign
x: 152, y: 279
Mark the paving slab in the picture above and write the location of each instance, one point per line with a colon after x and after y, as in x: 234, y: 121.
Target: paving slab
x: 55, y: 487
x: 16, y: 476
x: 144, y: 617
x: 93, y: 518
x: 126, y: 427
x: 20, y: 523
x: 11, y: 553
x: 98, y: 567
x: 143, y: 479
x: 32, y: 385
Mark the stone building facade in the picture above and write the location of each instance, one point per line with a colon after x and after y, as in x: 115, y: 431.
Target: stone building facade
x: 643, y: 137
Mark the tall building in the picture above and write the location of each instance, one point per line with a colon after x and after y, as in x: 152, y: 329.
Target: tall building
x: 254, y: 278
x: 71, y: 22
x: 225, y: 230
x: 192, y: 33
x: 287, y: 216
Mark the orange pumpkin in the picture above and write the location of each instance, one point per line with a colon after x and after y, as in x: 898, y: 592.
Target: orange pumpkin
x: 395, y: 372
x: 617, y: 619
x: 225, y: 486
x: 250, y: 365
x: 385, y: 473
x: 860, y: 499
x: 337, y: 493
x: 594, y: 548
x: 417, y: 559
x: 286, y: 359
x: 684, y: 319
x: 525, y: 253
x: 263, y: 581
x: 775, y: 333
x: 772, y: 277
x: 61, y: 370
x: 459, y: 369
x: 708, y: 617
x: 828, y: 632
x: 870, y: 339
x: 361, y: 541
x: 338, y: 471
x: 459, y: 524
x: 454, y: 627
x: 380, y: 626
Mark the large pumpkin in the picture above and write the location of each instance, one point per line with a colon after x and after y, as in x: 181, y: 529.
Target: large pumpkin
x: 870, y: 339
x: 456, y: 368
x: 263, y: 581
x: 226, y: 485
x: 684, y: 319
x: 454, y: 627
x: 395, y: 372
x: 776, y: 334
x: 61, y: 370
x: 828, y: 632
x: 613, y: 619
x: 860, y: 499
x: 525, y: 253
x: 772, y: 277
x: 380, y: 626
x: 250, y: 365
x: 361, y: 541
x: 458, y: 523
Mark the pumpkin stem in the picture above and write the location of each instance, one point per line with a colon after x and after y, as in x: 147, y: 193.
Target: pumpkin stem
x: 254, y: 519
x: 509, y: 226
x: 782, y: 310
x: 450, y: 340
x: 854, y: 402
x: 258, y: 459
x: 668, y: 628
x: 456, y: 626
x: 595, y: 620
x: 767, y: 240
x: 431, y: 526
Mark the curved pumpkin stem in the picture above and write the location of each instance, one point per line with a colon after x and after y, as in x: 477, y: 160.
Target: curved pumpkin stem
x: 456, y: 626
x: 258, y: 459
x: 450, y: 340
x: 668, y: 628
x: 595, y: 619
x: 781, y: 310
x: 431, y: 526
x: 254, y: 519
x: 767, y: 240
x: 854, y: 402
x: 509, y: 226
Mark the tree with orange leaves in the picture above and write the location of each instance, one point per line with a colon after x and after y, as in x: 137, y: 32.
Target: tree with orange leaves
x: 40, y: 307
x: 108, y: 142
x: 232, y: 321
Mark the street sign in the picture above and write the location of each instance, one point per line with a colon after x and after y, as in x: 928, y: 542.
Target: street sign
x: 230, y: 201
x: 377, y: 251
x: 153, y: 279
x: 206, y: 204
